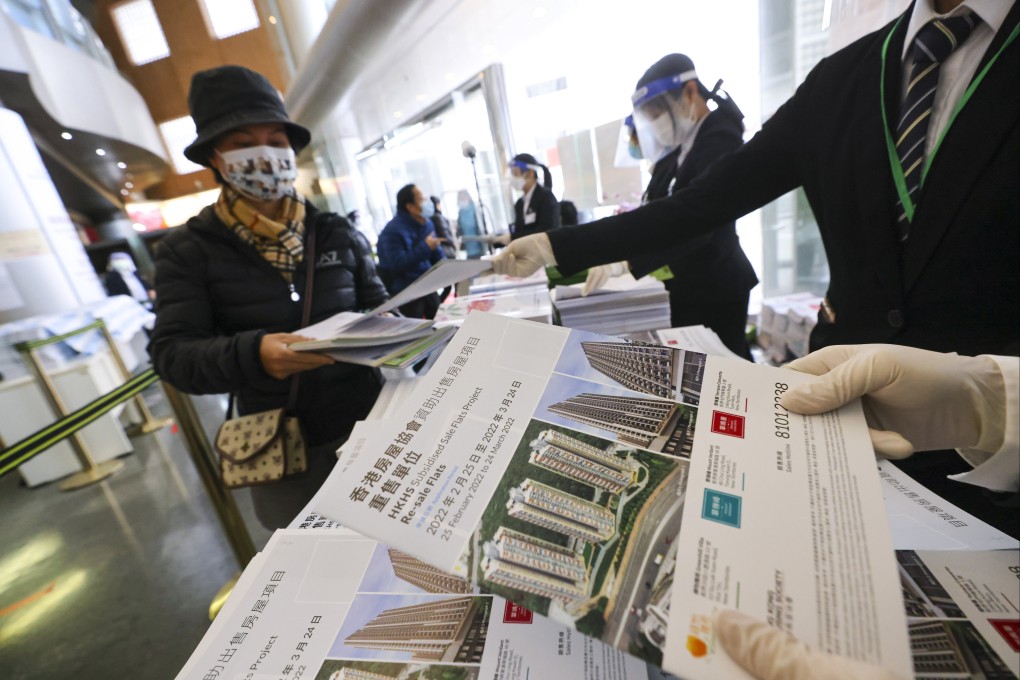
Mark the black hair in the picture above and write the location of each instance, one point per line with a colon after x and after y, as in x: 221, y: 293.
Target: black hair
x: 568, y: 213
x: 435, y: 202
x: 405, y: 196
x: 531, y: 160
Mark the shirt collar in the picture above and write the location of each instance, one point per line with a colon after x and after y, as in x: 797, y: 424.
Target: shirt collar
x: 528, y: 193
x: 992, y: 12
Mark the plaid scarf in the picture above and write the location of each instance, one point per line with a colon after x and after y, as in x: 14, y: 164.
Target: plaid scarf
x: 280, y: 243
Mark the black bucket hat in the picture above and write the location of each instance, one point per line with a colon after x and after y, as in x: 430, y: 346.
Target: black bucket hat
x: 228, y: 97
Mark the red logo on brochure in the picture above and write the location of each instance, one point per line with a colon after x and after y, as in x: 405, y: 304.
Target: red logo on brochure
x: 728, y: 424
x: 515, y: 613
x: 1009, y: 630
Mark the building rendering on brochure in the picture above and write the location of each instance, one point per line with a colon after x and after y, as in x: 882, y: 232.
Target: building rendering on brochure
x: 445, y: 630
x: 425, y: 576
x: 532, y: 565
x: 582, y: 462
x: 653, y: 424
x: 560, y: 511
x: 642, y: 367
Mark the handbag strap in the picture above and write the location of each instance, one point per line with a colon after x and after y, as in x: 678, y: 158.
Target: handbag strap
x: 306, y: 312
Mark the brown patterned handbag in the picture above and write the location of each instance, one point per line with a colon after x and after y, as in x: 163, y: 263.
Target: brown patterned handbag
x: 260, y: 448
x: 264, y: 447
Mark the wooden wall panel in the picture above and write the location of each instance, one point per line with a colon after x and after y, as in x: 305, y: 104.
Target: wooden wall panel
x: 164, y: 84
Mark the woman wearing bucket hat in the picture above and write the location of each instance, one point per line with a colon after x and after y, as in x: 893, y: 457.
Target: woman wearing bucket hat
x: 231, y: 282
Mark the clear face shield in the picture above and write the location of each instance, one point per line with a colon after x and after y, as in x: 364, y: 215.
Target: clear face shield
x: 628, y: 151
x: 661, y: 119
x: 518, y: 172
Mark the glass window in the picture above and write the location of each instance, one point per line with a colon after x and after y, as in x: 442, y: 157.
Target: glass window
x: 177, y: 134
x: 140, y: 32
x: 229, y: 17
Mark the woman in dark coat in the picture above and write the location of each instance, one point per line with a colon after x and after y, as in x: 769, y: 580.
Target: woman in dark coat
x: 231, y: 282
x: 538, y: 209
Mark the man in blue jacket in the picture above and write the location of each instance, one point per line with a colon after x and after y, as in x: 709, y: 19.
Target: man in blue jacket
x: 408, y: 247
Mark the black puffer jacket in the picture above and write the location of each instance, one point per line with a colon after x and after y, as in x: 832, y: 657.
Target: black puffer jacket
x: 217, y: 297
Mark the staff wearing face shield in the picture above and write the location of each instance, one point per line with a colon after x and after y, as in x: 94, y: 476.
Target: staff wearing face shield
x: 710, y: 279
x: 537, y: 210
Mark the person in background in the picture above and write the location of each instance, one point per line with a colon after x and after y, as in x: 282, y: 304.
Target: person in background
x: 467, y: 225
x: 537, y: 210
x: 448, y: 241
x: 230, y: 283
x: 914, y: 400
x: 568, y: 213
x: 408, y: 246
x: 122, y: 279
x: 710, y: 279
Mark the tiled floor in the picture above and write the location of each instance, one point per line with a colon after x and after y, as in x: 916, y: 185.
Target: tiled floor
x: 114, y: 580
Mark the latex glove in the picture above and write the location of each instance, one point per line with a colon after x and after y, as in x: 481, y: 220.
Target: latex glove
x: 914, y: 400
x: 501, y: 239
x: 525, y: 256
x: 598, y: 276
x: 768, y: 653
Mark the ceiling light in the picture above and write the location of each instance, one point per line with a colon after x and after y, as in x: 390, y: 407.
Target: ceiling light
x: 398, y: 114
x: 67, y: 135
x: 121, y: 165
x: 449, y: 76
x: 538, y: 12
x: 124, y: 192
x: 100, y: 152
x: 420, y: 97
x: 272, y: 19
x: 129, y: 185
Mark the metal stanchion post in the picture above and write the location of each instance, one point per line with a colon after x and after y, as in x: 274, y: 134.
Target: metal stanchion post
x: 149, y: 423
x: 91, y: 472
x: 204, y: 459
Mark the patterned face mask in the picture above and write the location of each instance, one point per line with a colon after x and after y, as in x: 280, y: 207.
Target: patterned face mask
x: 264, y: 173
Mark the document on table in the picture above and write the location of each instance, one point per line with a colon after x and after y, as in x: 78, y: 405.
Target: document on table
x: 553, y: 468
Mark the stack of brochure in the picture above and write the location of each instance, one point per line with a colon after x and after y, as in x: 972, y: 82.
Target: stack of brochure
x: 622, y: 306
x: 376, y: 339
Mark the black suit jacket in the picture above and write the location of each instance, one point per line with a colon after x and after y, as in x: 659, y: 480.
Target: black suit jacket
x: 546, y: 209
x: 713, y: 267
x: 953, y: 286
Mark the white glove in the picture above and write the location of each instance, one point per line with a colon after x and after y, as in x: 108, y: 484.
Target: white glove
x: 598, y: 276
x: 525, y: 256
x: 768, y: 653
x: 914, y: 400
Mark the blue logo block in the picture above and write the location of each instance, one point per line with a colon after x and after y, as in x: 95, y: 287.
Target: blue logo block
x: 721, y: 507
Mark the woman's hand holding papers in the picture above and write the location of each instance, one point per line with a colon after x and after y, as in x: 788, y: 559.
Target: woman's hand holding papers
x: 280, y: 362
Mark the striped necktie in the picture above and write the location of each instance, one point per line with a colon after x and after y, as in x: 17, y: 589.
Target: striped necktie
x: 934, y: 43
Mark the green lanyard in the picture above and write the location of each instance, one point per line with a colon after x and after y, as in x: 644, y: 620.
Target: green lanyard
x: 894, y: 159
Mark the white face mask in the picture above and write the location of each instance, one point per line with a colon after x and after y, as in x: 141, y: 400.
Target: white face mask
x: 517, y: 182
x: 264, y: 173
x: 673, y: 129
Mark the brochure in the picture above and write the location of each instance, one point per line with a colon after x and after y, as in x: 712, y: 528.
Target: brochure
x: 351, y: 329
x: 323, y: 603
x: 394, y: 355
x: 962, y: 612
x: 552, y: 467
